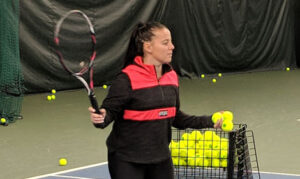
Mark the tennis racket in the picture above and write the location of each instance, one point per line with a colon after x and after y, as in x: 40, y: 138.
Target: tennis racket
x: 75, y: 39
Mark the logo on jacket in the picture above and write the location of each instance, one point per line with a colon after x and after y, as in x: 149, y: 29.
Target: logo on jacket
x: 163, y: 113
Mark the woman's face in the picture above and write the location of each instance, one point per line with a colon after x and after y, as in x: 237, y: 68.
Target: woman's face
x: 160, y: 47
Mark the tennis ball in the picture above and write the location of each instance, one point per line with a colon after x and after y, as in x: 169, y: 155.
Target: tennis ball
x: 191, y: 153
x: 183, y: 144
x: 175, y: 161
x: 220, y: 74
x: 214, y: 80
x: 53, y: 91
x: 224, y: 144
x: 175, y: 152
x: 216, y: 116
x: 196, y: 135
x: 223, y: 163
x: 199, y: 144
x: 182, y: 162
x: 192, y: 162
x: 224, y: 154
x: 208, y: 135
x: 287, y: 69
x: 202, y: 76
x: 185, y: 136
x: 3, y: 120
x: 173, y: 144
x: 183, y: 152
x: 49, y: 98
x: 227, y: 126
x: 53, y: 97
x: 63, y: 162
x: 215, y: 162
x: 227, y: 115
x: 104, y: 86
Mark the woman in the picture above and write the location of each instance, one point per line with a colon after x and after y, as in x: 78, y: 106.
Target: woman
x: 143, y: 102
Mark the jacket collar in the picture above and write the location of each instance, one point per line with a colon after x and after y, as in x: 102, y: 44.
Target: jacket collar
x: 138, y: 60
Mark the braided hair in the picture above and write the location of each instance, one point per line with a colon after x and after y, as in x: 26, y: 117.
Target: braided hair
x: 142, y: 32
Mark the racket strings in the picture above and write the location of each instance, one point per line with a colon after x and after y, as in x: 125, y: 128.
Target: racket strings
x: 76, y: 43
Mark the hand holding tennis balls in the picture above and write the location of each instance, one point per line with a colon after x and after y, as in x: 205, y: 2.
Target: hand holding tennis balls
x: 223, y: 119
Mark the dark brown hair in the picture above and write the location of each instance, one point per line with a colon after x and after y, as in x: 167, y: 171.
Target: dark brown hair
x: 141, y: 33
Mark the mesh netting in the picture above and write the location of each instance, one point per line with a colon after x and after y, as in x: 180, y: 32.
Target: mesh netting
x: 11, y: 78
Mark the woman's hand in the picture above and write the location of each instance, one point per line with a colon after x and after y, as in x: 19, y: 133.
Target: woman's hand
x: 218, y: 124
x: 97, y: 118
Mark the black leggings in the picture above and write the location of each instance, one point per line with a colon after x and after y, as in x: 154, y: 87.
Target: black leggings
x: 119, y: 169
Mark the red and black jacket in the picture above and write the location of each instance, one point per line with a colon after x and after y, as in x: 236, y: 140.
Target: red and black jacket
x: 144, y: 109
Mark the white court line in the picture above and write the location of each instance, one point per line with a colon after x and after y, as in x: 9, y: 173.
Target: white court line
x: 288, y: 174
x: 61, y: 176
x: 104, y: 163
x: 71, y: 170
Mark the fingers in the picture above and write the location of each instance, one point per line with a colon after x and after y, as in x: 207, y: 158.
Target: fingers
x: 97, y: 118
x: 218, y: 124
x: 91, y: 109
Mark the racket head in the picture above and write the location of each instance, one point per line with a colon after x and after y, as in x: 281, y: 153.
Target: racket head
x: 75, y: 41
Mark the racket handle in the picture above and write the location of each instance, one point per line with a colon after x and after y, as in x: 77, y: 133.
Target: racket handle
x: 94, y: 102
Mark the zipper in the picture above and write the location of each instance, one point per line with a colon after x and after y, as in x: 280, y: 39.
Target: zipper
x: 158, y: 82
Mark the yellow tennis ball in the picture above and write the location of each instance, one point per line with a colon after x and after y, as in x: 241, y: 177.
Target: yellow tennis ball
x: 227, y: 115
x: 183, y: 153
x: 215, y: 162
x: 224, y: 144
x: 202, y: 76
x: 223, y: 163
x: 220, y: 74
x: 209, y: 135
x: 49, y: 98
x: 191, y: 153
x: 182, y: 162
x: 104, y: 86
x: 53, y: 91
x: 216, y: 116
x: 199, y: 144
x: 175, y: 161
x: 214, y: 80
x: 63, y: 162
x: 185, y: 136
x: 196, y: 135
x: 192, y: 162
x: 53, y: 97
x: 287, y: 69
x: 227, y: 126
x: 3, y: 120
x: 183, y: 144
x: 224, y: 154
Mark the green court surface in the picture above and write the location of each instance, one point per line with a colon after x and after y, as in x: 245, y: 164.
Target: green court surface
x: 268, y: 102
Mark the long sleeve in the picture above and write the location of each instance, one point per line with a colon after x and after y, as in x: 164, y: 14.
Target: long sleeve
x: 183, y: 120
x: 116, y: 99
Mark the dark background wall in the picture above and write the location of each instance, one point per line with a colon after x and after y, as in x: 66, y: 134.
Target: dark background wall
x: 210, y: 36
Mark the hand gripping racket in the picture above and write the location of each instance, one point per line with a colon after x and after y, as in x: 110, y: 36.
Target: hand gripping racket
x: 75, y: 39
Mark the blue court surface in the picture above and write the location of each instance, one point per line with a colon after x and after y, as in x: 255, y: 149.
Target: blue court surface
x: 100, y: 171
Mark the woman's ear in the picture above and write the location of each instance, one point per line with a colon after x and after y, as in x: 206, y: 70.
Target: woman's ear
x: 147, y: 47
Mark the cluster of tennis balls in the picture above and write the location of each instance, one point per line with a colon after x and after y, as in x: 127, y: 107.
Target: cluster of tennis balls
x: 52, y: 96
x: 200, y: 150
x: 227, y: 117
x: 214, y: 80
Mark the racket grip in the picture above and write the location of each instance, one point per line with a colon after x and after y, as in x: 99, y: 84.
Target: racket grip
x: 94, y: 102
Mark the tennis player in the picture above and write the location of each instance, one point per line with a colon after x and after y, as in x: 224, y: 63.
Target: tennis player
x: 143, y: 102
